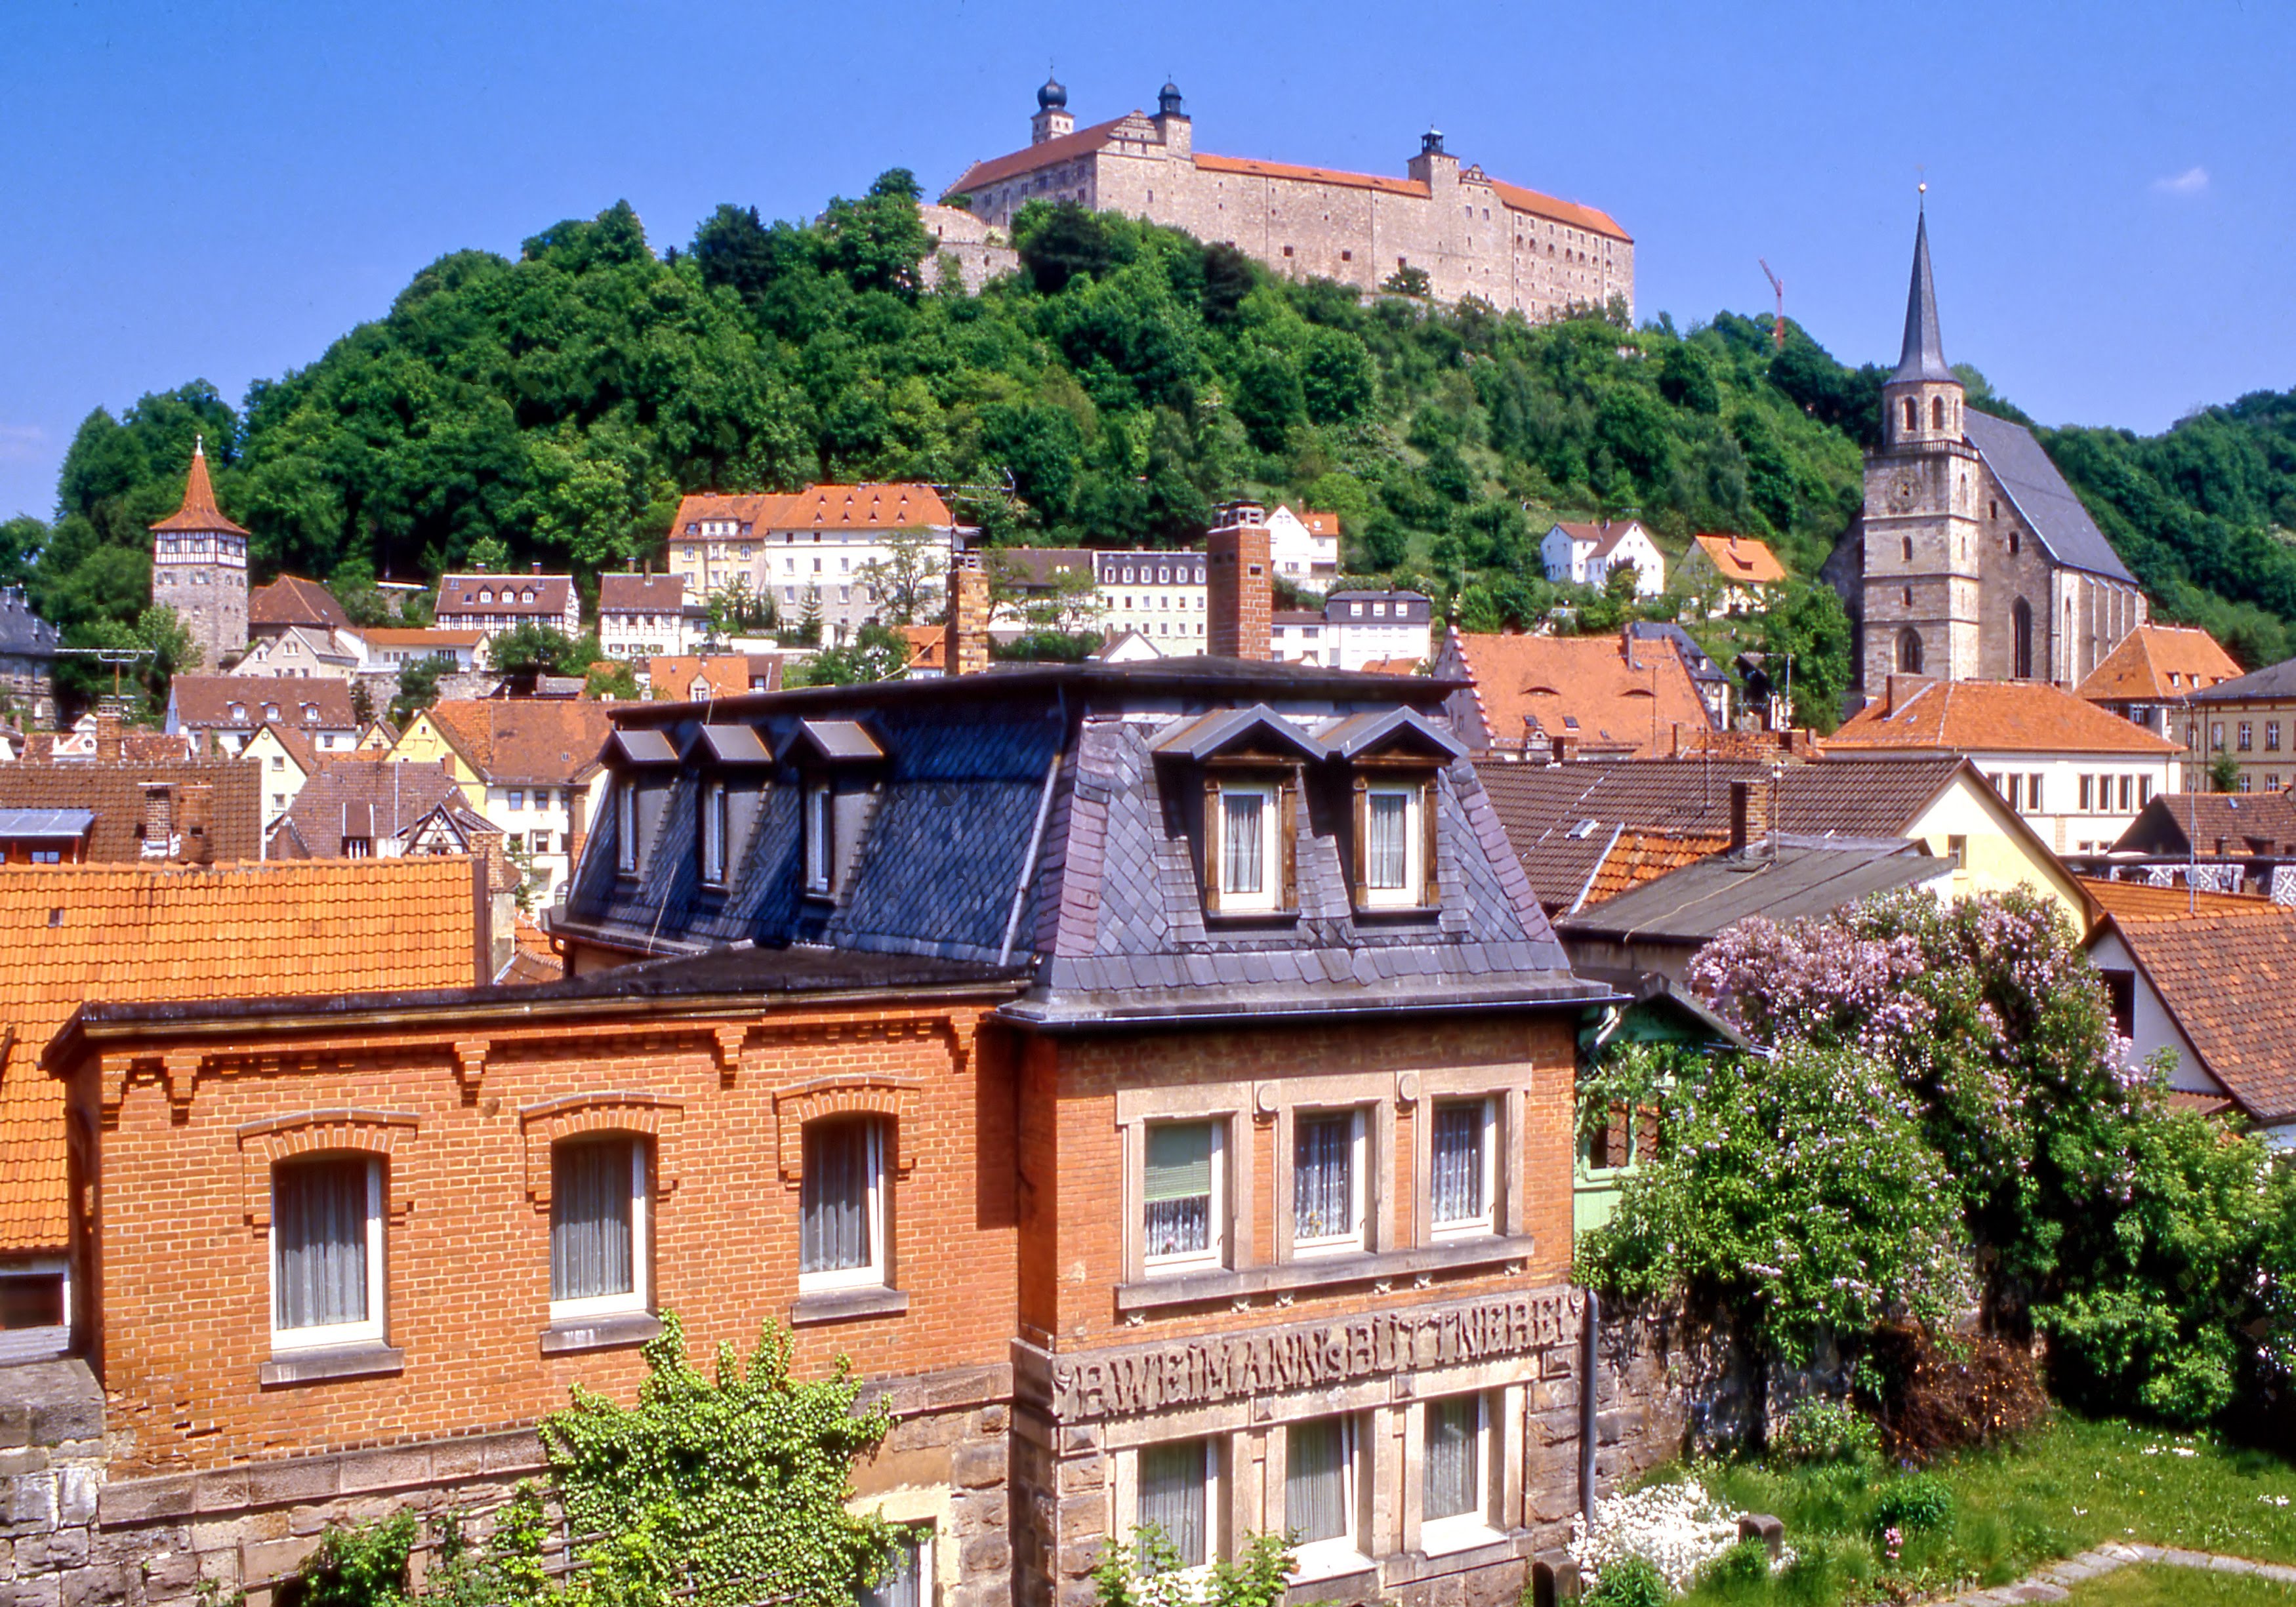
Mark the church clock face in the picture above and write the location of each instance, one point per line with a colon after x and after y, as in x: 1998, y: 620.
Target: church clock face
x: 1904, y: 489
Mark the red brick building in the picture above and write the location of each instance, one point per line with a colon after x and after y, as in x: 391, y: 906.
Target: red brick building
x: 1158, y: 1080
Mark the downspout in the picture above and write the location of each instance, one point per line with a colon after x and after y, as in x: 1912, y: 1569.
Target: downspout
x: 1036, y: 835
x: 1587, y: 1392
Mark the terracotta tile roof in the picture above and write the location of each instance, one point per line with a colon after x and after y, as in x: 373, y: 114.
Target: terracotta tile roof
x: 1741, y: 558
x: 532, y: 960
x: 458, y: 594
x: 2174, y: 824
x: 292, y: 600
x: 1318, y: 524
x: 2142, y: 901
x: 375, y: 801
x: 198, y: 512
x: 207, y: 703
x: 550, y: 740
x: 1393, y: 667
x: 115, y: 791
x: 1249, y: 166
x: 1638, y: 857
x: 727, y: 674
x: 996, y: 170
x: 867, y: 506
x: 2230, y: 983
x: 136, y: 745
x: 1561, y: 211
x: 641, y: 593
x: 298, y: 745
x: 927, y: 646
x: 128, y: 933
x: 1583, y: 687
x: 1990, y: 717
x: 2157, y: 663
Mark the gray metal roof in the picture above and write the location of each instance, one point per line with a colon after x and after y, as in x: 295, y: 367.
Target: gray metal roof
x: 642, y: 747
x: 1361, y: 733
x: 2042, y: 495
x: 46, y: 822
x: 2273, y: 681
x: 1924, y: 353
x: 1802, y: 876
x: 837, y: 740
x: 1224, y: 729
x: 732, y: 745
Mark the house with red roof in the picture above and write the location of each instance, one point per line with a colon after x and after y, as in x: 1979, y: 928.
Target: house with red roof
x: 1585, y: 555
x: 1735, y: 573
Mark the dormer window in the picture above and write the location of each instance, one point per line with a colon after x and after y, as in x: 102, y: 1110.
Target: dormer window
x: 714, y: 834
x: 625, y: 826
x: 1248, y: 872
x: 820, y: 836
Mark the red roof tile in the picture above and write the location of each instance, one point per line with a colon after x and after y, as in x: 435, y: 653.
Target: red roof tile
x: 243, y: 702
x: 1083, y: 142
x: 198, y: 512
x: 1581, y: 687
x: 2159, y: 663
x: 292, y: 600
x: 2230, y: 983
x: 641, y: 593
x: 1989, y: 717
x: 1741, y: 558
x: 550, y: 740
x: 724, y: 675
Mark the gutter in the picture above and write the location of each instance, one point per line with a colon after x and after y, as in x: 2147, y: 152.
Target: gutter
x: 1229, y: 1014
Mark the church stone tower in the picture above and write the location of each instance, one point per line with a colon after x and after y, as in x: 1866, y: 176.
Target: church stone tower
x: 199, y: 569
x: 1922, y: 583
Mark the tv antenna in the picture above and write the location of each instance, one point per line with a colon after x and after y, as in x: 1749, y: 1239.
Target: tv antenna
x: 1778, y: 329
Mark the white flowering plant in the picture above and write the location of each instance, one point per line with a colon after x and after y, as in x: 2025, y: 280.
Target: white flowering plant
x: 1677, y: 1528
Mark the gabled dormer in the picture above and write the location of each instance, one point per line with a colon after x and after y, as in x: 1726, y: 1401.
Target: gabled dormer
x: 1248, y: 766
x: 838, y: 763
x: 1392, y: 764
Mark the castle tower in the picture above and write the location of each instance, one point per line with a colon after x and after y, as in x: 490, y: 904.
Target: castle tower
x: 199, y: 569
x: 1922, y: 561
x: 1172, y: 121
x: 1053, y: 118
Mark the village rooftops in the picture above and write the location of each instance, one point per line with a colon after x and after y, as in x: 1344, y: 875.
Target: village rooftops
x: 2239, y: 1033
x: 244, y: 703
x: 120, y: 794
x: 2158, y: 664
x: 1057, y: 815
x: 292, y: 600
x: 1919, y: 715
x: 1619, y: 693
x: 1783, y: 878
x: 541, y: 596
x: 2273, y: 682
x: 641, y: 593
x: 1741, y: 558
x: 2177, y: 825
x: 513, y: 740
x: 862, y: 507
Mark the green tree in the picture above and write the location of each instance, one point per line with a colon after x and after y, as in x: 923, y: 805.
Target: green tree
x: 612, y: 678
x: 1410, y: 281
x: 2224, y: 771
x: 910, y: 577
x: 1805, y: 626
x: 418, y: 688
x: 531, y: 648
x: 876, y: 653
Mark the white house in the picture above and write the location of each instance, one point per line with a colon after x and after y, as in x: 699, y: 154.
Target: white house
x: 1585, y: 555
x: 1304, y: 547
x: 304, y: 652
x: 1161, y: 594
x: 491, y: 604
x: 645, y: 617
x: 1356, y: 630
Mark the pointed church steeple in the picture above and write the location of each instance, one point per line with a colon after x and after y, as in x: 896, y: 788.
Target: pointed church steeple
x: 1924, y: 356
x: 198, y: 512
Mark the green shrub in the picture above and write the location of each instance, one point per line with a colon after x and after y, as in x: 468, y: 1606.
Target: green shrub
x: 1921, y: 1505
x: 1629, y: 1582
x: 1822, y: 1431
x: 1743, y: 1567
x: 1826, y: 1569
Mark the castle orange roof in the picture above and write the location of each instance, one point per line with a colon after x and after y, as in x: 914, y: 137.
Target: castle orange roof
x: 1083, y: 142
x: 118, y: 933
x: 1559, y: 210
x: 1250, y: 168
x: 1604, y: 692
x: 198, y: 512
x: 1989, y: 717
x: 2159, y: 663
x: 1741, y: 558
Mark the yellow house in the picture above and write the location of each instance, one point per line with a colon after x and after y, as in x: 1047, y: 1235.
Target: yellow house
x: 284, y: 759
x: 528, y: 765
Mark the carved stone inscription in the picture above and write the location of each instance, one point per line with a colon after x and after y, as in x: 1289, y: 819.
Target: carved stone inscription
x: 1312, y: 1355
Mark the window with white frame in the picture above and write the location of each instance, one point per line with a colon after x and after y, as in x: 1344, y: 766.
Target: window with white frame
x: 714, y: 813
x: 841, y: 1205
x: 598, y: 1237
x: 327, y: 1251
x: 1181, y: 1197
x: 1246, y: 849
x: 1327, y: 1182
x: 1462, y: 1165
x: 1455, y: 1491
x: 1394, y: 827
x: 820, y: 836
x: 1319, y: 1492
x: 907, y: 1578
x: 625, y: 826
x: 1174, y: 1501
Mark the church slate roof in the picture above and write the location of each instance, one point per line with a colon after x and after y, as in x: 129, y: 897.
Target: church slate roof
x: 1029, y: 817
x: 1923, y: 358
x: 2042, y: 495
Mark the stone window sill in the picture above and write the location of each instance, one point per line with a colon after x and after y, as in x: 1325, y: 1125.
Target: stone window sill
x: 599, y: 1332
x: 1322, y: 1272
x: 347, y: 1361
x: 1486, y: 1548
x: 846, y: 1305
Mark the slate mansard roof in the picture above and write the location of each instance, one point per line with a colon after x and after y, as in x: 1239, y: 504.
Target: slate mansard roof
x: 1031, y: 818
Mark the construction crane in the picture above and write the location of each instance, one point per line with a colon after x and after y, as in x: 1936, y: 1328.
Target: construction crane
x: 1777, y: 330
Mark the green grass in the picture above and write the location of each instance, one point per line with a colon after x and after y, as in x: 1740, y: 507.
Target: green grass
x: 2063, y: 1488
x: 2179, y: 1587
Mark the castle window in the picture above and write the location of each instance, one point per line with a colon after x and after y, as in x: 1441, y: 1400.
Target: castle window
x: 1909, y: 596
x: 1347, y: 256
x: 1287, y: 250
x: 2014, y: 543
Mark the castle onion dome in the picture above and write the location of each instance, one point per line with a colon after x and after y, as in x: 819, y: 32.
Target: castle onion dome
x: 1168, y: 101
x: 1053, y: 97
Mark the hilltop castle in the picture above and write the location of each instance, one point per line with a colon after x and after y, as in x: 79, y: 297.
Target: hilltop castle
x: 1973, y: 559
x: 1470, y: 234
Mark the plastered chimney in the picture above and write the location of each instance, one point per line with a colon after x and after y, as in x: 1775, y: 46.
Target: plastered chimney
x: 1239, y: 587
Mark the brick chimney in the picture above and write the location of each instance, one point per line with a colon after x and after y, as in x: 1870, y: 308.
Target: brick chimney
x: 964, y: 644
x: 1749, y: 814
x: 1239, y: 587
x: 109, y: 746
x: 1899, y: 690
x: 192, y: 806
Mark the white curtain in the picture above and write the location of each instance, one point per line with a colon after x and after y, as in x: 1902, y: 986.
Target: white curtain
x: 1316, y: 1479
x: 1178, y: 1190
x: 590, y: 1248
x: 1458, y: 1162
x: 1323, y: 1202
x: 1452, y: 1441
x: 834, y: 1235
x: 1172, y: 1496
x: 318, y: 1213
x: 1390, y: 816
x: 903, y: 1585
x: 1242, y: 820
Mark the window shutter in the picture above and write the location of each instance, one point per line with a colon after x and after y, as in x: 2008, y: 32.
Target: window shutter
x: 1362, y: 837
x: 1211, y: 847
x: 1431, y: 820
x: 1287, y: 798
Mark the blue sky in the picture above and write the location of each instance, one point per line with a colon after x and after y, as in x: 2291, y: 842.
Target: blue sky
x: 218, y: 191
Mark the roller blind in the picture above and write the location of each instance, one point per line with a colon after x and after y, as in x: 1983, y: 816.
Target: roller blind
x: 1179, y: 1160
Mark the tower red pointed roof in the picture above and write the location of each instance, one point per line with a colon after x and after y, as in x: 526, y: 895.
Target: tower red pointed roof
x: 198, y: 512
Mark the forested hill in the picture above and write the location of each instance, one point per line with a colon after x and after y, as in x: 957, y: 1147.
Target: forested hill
x: 1123, y: 383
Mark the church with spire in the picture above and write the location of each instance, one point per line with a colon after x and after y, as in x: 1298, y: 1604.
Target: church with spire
x: 199, y: 569
x: 1973, y: 559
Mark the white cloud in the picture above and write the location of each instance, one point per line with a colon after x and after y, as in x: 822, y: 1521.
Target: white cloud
x: 21, y: 443
x: 2192, y: 181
